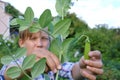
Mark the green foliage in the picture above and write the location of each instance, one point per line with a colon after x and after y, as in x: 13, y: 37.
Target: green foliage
x: 19, y: 53
x: 62, y: 7
x: 13, y: 72
x: 108, y: 42
x: 56, y: 46
x: 45, y: 18
x: 12, y: 11
x: 61, y: 28
x: 11, y: 44
x: 24, y: 24
x: 27, y: 22
x: 29, y: 15
x: 28, y: 62
x: 110, y: 71
x: 61, y: 48
x: 38, y: 68
x: 77, y: 25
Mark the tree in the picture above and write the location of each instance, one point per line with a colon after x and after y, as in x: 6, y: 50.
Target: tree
x: 77, y: 25
x: 12, y: 11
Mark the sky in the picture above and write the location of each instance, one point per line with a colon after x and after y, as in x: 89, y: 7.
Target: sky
x: 93, y: 12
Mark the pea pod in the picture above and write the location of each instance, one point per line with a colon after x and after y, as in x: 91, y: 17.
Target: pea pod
x: 87, y: 49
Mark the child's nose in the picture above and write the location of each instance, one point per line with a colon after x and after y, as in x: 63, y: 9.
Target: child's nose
x: 39, y: 43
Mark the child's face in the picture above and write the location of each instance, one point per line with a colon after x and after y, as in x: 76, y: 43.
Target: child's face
x: 35, y: 42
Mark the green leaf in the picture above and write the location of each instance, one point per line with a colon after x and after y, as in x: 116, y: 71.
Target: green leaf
x: 35, y: 28
x: 65, y: 34
x: 20, y: 53
x: 66, y: 47
x: 24, y: 78
x: 13, y: 72
x: 38, y: 68
x: 15, y: 21
x: 22, y: 28
x: 1, y: 38
x: 61, y: 27
x: 24, y: 25
x: 45, y: 18
x: 62, y: 6
x: 28, y: 62
x: 29, y: 15
x: 64, y: 58
x: 50, y: 28
x: 6, y: 59
x: 66, y: 44
x: 56, y: 46
x: 56, y: 20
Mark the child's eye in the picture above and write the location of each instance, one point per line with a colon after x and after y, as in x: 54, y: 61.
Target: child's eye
x: 45, y: 38
x: 33, y: 38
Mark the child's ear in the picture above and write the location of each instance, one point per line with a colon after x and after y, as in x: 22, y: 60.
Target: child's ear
x: 21, y: 43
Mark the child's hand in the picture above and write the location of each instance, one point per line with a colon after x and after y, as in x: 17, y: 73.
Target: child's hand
x: 92, y: 67
x: 53, y: 62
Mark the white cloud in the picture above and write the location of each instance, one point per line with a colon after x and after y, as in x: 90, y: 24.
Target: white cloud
x: 38, y: 5
x: 97, y: 12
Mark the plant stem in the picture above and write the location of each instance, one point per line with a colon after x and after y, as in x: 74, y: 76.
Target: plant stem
x: 16, y: 62
x: 60, y: 56
x: 48, y: 33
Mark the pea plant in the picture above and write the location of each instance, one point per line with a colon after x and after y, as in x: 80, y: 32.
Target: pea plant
x: 60, y: 44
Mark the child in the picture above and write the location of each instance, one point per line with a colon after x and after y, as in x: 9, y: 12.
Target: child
x: 38, y: 44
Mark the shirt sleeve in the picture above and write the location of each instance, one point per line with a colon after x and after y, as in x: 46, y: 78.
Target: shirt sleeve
x: 2, y: 77
x: 66, y: 70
